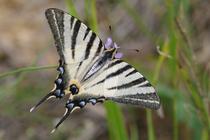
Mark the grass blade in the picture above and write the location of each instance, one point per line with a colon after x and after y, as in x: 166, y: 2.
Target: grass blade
x: 115, y: 121
x: 71, y: 8
x: 25, y: 69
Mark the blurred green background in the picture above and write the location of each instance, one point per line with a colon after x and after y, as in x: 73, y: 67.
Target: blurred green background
x: 173, y: 37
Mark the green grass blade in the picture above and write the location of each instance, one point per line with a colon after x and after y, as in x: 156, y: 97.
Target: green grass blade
x: 150, y: 127
x: 90, y: 11
x: 115, y: 121
x: 172, y: 12
x: 134, y: 134
x: 71, y: 8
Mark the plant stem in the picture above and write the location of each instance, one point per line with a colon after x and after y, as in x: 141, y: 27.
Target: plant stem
x: 25, y: 69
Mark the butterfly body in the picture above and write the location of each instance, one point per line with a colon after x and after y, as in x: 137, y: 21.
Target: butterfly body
x: 90, y: 71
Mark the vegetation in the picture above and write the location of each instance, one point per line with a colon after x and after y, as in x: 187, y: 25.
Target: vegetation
x: 182, y: 83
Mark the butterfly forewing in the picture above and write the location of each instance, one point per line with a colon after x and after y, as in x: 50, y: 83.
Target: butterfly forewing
x: 74, y: 40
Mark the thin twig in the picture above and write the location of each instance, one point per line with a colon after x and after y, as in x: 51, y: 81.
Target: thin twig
x: 193, y: 62
x: 25, y: 69
x: 183, y: 32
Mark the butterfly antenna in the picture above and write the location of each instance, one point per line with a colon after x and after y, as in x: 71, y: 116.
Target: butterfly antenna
x: 110, y: 28
x: 42, y: 100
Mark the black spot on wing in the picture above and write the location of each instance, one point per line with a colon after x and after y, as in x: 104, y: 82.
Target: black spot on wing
x: 89, y: 45
x: 130, y: 84
x: 74, y: 36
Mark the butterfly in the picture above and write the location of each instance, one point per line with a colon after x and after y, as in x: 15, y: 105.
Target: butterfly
x: 90, y: 71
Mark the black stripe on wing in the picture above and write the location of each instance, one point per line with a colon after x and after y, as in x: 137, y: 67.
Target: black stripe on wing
x: 145, y: 85
x: 74, y: 36
x: 100, y: 46
x: 80, y: 64
x: 99, y: 64
x: 119, y: 71
x: 89, y: 45
x: 113, y: 74
x: 130, y: 73
x: 129, y: 84
x: 86, y: 33
x: 71, y: 22
x: 118, y: 61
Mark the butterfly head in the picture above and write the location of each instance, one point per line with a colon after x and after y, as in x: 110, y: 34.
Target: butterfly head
x: 74, y: 87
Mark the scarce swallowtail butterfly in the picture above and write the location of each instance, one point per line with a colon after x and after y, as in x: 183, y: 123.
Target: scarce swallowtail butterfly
x: 90, y: 71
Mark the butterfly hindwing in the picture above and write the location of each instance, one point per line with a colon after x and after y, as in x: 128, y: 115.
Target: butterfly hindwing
x: 130, y: 87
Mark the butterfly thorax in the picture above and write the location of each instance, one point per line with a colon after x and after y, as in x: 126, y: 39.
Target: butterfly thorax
x: 70, y: 84
x: 99, y: 63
